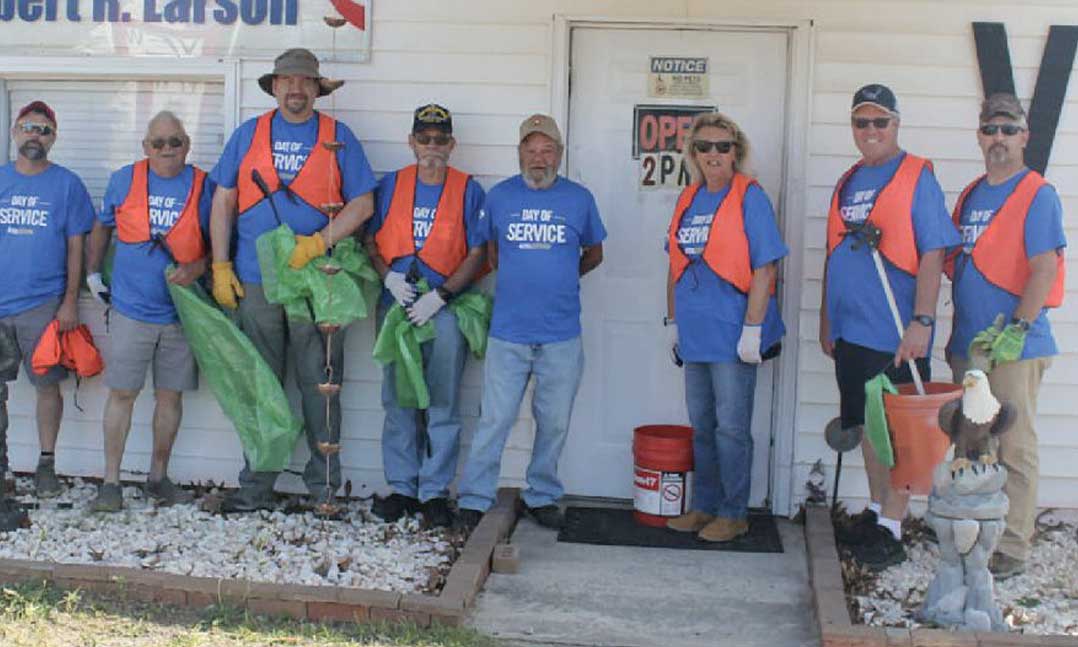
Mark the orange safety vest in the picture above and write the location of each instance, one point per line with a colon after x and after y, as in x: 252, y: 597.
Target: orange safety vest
x: 446, y: 246
x: 892, y: 213
x: 184, y: 241
x: 73, y: 349
x: 727, y: 248
x: 998, y: 253
x: 318, y: 182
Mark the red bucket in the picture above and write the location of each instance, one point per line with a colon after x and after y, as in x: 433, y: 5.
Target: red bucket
x: 662, y: 473
x: 918, y: 442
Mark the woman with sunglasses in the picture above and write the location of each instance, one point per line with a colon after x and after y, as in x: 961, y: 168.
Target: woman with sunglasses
x: 722, y: 317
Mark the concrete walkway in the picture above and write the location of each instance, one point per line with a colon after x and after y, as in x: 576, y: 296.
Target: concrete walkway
x: 577, y: 594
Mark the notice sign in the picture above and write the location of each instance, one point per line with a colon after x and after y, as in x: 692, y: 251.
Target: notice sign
x: 677, y: 77
x: 659, y: 134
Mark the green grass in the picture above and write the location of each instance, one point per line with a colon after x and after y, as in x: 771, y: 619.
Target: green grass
x: 39, y: 615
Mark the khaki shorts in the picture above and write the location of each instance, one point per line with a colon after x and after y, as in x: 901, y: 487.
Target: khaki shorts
x: 27, y: 327
x: 134, y: 344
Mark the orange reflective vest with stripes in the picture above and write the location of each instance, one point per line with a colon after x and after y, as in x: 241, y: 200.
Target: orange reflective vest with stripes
x: 999, y: 253
x: 727, y: 249
x: 184, y: 241
x: 318, y: 181
x: 446, y: 246
x: 892, y: 213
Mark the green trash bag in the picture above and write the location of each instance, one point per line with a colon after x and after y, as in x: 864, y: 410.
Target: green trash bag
x: 243, y: 383
x: 308, y: 294
x: 399, y: 342
x: 876, y: 430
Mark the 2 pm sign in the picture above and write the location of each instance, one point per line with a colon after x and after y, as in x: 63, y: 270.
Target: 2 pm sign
x: 659, y: 133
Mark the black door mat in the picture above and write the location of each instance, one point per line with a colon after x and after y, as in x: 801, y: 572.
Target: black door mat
x: 616, y: 527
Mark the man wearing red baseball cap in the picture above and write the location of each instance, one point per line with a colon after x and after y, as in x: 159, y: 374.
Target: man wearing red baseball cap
x: 45, y: 211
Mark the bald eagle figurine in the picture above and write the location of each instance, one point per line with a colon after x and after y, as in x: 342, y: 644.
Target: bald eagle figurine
x: 973, y: 420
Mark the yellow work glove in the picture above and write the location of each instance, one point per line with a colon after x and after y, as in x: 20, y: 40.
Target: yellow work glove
x: 226, y: 287
x: 307, y: 249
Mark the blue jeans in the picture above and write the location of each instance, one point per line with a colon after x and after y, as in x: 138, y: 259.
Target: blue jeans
x: 719, y: 397
x: 557, y: 368
x: 408, y: 468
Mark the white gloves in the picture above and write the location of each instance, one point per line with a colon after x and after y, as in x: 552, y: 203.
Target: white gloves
x: 400, y: 288
x: 425, y: 307
x: 672, y: 341
x: 98, y: 289
x: 748, y: 346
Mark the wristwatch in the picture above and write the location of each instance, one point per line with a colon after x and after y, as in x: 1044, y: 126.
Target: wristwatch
x: 444, y: 293
x: 1022, y: 324
x: 924, y: 320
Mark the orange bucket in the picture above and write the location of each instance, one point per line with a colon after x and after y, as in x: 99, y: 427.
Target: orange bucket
x: 918, y: 442
x: 662, y: 473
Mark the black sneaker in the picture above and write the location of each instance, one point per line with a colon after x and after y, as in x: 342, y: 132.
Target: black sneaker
x: 242, y: 501
x: 548, y: 516
x: 468, y: 519
x: 857, y: 528
x: 879, y: 549
x: 436, y: 512
x: 394, y: 506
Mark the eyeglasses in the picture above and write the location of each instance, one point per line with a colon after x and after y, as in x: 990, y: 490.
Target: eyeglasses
x: 44, y: 130
x: 173, y: 142
x: 1009, y: 130
x: 705, y: 146
x: 438, y: 140
x: 860, y: 123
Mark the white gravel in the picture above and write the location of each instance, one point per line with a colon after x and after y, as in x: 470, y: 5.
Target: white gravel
x: 1043, y: 600
x: 358, y: 551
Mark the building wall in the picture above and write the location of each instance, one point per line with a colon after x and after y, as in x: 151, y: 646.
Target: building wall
x: 493, y: 63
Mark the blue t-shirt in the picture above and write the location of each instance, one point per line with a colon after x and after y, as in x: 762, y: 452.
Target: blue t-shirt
x: 856, y: 306
x: 709, y: 310
x: 38, y: 213
x: 540, y: 236
x: 976, y: 301
x: 426, y: 203
x: 138, y: 287
x: 291, y: 145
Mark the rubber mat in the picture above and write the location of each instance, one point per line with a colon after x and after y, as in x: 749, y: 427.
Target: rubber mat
x: 616, y: 527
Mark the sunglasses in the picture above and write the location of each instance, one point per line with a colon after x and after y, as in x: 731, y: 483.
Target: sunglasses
x: 39, y: 129
x: 704, y: 146
x: 438, y: 140
x: 173, y: 142
x: 1009, y: 130
x: 860, y: 123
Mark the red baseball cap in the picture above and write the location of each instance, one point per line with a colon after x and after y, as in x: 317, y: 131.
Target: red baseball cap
x: 39, y: 107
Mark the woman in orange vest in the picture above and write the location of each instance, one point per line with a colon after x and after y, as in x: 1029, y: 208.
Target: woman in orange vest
x: 722, y: 317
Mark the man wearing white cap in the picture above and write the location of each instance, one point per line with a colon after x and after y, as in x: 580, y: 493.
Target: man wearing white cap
x: 543, y: 233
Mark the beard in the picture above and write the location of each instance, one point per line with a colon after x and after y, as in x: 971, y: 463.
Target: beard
x: 296, y: 104
x: 998, y: 153
x: 33, y: 151
x: 433, y: 161
x: 539, y: 178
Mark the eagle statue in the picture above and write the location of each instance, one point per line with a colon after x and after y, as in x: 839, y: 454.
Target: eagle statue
x: 973, y: 420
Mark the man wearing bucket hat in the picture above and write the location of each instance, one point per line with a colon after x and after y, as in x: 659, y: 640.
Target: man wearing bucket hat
x: 1006, y: 275
x: 543, y: 233
x: 45, y: 212
x: 888, y: 201
x: 307, y: 169
x: 427, y: 219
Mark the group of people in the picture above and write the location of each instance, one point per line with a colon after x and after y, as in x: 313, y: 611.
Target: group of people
x: 1002, y: 249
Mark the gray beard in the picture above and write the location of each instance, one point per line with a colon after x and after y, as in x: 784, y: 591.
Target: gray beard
x: 33, y: 152
x: 542, y: 183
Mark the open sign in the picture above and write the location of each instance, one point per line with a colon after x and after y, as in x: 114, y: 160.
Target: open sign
x: 659, y: 134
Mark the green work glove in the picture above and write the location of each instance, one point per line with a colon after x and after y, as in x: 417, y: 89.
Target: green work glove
x: 876, y: 430
x: 1008, y: 345
x: 980, y: 349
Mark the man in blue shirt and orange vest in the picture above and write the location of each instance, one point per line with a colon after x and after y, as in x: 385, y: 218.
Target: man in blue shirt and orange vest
x: 426, y: 219
x: 317, y: 176
x: 45, y: 212
x: 1010, y: 267
x: 896, y: 193
x: 160, y: 208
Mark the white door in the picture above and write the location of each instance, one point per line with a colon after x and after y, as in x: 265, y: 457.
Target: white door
x: 629, y: 379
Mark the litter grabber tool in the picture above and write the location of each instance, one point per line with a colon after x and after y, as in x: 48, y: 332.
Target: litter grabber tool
x: 841, y: 440
x: 422, y: 435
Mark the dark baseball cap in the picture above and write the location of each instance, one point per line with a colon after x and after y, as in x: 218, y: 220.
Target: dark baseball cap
x: 432, y: 115
x: 39, y: 107
x: 1003, y: 104
x: 875, y: 94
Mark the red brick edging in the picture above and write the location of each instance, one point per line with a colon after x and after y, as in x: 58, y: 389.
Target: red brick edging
x: 833, y: 617
x: 316, y: 603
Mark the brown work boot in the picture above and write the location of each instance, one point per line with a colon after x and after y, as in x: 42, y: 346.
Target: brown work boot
x: 724, y: 529
x: 691, y: 521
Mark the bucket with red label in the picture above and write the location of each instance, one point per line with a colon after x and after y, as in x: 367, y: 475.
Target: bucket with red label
x: 662, y: 473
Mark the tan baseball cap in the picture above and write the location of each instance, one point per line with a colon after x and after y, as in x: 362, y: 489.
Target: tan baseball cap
x: 538, y: 123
